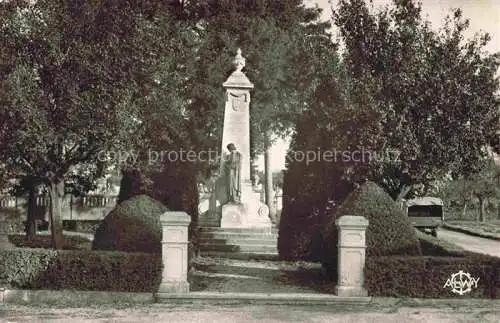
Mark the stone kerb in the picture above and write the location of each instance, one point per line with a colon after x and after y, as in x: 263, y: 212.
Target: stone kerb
x: 351, y: 255
x: 174, y: 253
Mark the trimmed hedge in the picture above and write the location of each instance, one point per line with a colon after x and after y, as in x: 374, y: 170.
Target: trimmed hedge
x: 310, y: 188
x: 85, y: 226
x: 425, y: 277
x: 45, y: 241
x: 175, y: 186
x: 80, y: 270
x: 133, y: 226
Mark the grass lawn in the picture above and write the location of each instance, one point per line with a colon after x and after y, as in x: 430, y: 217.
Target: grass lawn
x: 485, y: 228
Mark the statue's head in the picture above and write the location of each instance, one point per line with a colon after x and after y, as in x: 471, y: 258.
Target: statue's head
x: 231, y: 147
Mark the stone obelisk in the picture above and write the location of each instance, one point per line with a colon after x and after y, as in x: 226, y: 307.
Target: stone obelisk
x: 249, y: 211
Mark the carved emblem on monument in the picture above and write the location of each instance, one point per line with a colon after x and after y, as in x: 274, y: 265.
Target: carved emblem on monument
x: 263, y: 211
x: 238, y: 101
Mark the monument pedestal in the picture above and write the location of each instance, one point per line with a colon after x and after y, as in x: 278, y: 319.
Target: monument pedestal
x: 250, y: 213
x: 233, y: 215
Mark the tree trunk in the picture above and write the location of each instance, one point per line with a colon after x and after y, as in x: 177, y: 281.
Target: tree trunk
x: 464, y: 210
x: 31, y: 219
x: 402, y: 193
x: 481, y: 209
x: 269, y: 180
x: 56, y: 227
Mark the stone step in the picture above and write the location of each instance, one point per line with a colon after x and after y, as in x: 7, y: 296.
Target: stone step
x: 209, y: 221
x: 229, y: 236
x: 238, y: 248
x: 209, y: 224
x: 239, y: 230
x: 238, y: 241
x: 241, y: 255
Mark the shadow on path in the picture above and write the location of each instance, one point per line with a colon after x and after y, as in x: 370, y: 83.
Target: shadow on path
x: 258, y: 276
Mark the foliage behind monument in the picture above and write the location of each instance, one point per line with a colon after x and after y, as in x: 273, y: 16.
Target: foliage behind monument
x: 423, y: 102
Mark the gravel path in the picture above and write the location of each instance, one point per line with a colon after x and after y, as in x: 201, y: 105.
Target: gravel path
x: 261, y: 314
x: 471, y: 243
x: 258, y: 276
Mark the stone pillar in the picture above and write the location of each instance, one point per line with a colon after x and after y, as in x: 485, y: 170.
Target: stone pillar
x: 351, y: 255
x: 174, y: 252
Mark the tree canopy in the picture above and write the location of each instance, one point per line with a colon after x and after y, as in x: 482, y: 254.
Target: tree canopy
x: 76, y: 80
x: 408, y: 106
x: 84, y: 83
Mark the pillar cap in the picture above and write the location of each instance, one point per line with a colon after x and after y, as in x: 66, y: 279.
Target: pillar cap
x: 351, y: 220
x: 175, y: 218
x: 238, y: 79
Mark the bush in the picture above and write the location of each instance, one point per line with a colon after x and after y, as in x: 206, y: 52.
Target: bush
x: 15, y: 220
x: 389, y: 231
x: 45, y: 241
x: 308, y: 187
x: 175, y: 185
x: 84, y: 226
x: 425, y: 277
x: 80, y: 270
x: 299, y: 227
x: 133, y: 226
x: 306, y: 205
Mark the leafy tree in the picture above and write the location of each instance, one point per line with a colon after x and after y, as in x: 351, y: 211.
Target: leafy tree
x: 458, y: 191
x: 485, y: 185
x: 432, y: 93
x: 276, y: 38
x: 69, y: 88
x: 415, y: 104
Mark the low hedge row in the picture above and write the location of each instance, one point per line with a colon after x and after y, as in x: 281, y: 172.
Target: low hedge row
x: 80, y: 270
x: 425, y: 277
x: 85, y: 226
x: 45, y: 241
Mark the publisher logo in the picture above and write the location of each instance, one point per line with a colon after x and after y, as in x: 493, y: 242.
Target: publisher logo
x: 461, y: 283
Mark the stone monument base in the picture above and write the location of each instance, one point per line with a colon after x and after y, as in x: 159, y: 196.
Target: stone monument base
x: 250, y: 213
x: 232, y: 215
x: 173, y: 287
x: 350, y: 291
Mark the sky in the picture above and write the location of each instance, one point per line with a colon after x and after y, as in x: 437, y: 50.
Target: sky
x: 484, y: 15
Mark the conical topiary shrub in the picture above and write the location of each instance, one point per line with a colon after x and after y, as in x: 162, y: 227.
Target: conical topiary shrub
x: 133, y: 226
x: 389, y: 232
